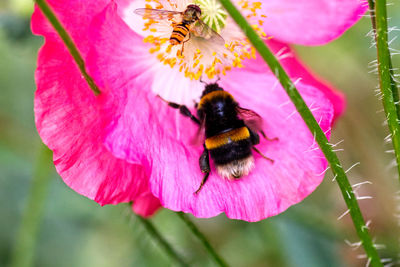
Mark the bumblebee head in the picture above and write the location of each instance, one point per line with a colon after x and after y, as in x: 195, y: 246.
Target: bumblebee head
x: 211, y: 87
x: 211, y: 93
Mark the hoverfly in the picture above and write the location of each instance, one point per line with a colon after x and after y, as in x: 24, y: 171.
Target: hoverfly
x: 189, y: 23
x: 231, y: 133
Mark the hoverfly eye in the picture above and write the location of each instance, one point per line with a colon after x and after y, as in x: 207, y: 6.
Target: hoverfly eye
x: 196, y: 8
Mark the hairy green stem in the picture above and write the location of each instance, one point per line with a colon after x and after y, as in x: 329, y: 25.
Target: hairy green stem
x: 69, y: 43
x: 161, y: 240
x: 387, y: 84
x: 395, y: 90
x: 371, y: 5
x: 305, y: 113
x: 24, y: 249
x: 202, y: 239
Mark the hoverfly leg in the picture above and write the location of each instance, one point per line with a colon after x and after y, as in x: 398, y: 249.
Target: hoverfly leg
x: 183, y: 46
x: 262, y: 155
x: 204, y: 162
x: 182, y: 109
x: 181, y: 51
x: 267, y: 138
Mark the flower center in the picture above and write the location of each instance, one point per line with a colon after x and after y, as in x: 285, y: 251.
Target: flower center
x: 213, y: 14
x: 196, y: 50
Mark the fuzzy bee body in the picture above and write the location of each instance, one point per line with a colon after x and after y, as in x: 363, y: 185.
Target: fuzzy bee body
x: 228, y: 139
x: 230, y: 133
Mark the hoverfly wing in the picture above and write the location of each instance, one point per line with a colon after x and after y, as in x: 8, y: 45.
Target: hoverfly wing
x: 200, y: 29
x: 157, y: 14
x: 251, y: 119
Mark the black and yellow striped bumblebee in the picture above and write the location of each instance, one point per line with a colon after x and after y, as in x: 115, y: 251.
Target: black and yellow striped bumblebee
x: 231, y: 133
x: 184, y: 24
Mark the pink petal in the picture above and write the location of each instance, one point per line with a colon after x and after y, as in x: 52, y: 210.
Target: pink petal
x: 132, y: 58
x: 297, y: 70
x: 146, y: 205
x: 310, y: 22
x: 68, y: 115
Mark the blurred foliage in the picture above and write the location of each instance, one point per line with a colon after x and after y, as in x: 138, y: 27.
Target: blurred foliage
x: 77, y: 232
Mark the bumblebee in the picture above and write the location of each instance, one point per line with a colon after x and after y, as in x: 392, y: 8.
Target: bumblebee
x: 190, y: 22
x: 231, y: 133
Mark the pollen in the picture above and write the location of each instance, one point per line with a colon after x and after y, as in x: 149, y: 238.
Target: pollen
x: 195, y: 55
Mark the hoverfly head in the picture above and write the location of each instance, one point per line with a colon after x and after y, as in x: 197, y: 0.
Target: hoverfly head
x: 193, y: 11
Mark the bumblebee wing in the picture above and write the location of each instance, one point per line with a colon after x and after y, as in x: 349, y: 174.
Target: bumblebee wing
x: 251, y: 119
x: 200, y: 29
x: 199, y: 137
x: 157, y: 14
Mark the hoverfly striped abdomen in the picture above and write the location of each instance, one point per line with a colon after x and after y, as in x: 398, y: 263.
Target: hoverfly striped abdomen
x: 179, y: 33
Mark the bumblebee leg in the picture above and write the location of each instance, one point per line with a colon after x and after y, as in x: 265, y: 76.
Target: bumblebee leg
x: 204, y: 162
x: 182, y: 109
x: 267, y: 138
x: 262, y: 155
x: 254, y: 137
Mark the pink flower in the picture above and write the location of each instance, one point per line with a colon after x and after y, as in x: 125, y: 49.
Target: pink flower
x: 127, y: 145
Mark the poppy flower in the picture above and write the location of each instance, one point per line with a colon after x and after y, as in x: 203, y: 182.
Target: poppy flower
x: 126, y: 144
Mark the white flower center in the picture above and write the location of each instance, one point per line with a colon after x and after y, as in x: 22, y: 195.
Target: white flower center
x: 196, y: 55
x: 213, y: 14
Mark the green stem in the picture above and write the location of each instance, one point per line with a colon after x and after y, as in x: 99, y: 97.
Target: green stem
x: 389, y: 90
x: 161, y: 240
x: 313, y: 126
x: 371, y: 5
x: 69, y: 43
x: 202, y: 239
x: 395, y: 91
x: 24, y: 250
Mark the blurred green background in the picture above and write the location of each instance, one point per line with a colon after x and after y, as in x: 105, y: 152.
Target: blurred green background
x: 76, y: 231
